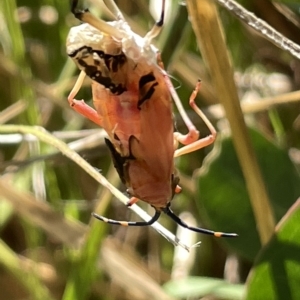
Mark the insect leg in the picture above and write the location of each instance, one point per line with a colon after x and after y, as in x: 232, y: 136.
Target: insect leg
x: 170, y: 213
x: 86, y: 17
x: 79, y: 105
x: 191, y: 139
x: 130, y: 223
x: 178, y: 189
x: 114, y: 9
x: 132, y: 201
x: 193, y: 133
x: 156, y: 29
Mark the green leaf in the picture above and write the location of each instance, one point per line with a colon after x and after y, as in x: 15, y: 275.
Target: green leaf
x: 224, y: 202
x: 276, y: 273
x: 192, y: 287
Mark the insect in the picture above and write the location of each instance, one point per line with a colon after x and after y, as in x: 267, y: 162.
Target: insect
x: 132, y: 95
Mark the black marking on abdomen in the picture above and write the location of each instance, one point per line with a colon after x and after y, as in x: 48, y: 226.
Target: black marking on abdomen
x: 117, y: 62
x: 144, y: 80
x: 112, y: 62
x: 94, y: 73
x: 105, y: 63
x: 118, y: 160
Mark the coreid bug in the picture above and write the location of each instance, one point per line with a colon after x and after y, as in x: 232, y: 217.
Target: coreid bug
x: 132, y: 95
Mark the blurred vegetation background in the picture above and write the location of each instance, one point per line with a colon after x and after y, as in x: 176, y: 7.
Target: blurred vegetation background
x: 51, y: 249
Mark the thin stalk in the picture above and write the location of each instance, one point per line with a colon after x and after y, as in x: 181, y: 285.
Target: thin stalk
x: 46, y: 137
x: 207, y: 26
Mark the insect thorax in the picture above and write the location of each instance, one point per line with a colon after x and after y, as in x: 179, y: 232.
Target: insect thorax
x: 104, y: 58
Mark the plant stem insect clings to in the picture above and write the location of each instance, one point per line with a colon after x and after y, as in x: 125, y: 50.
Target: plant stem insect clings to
x: 132, y: 95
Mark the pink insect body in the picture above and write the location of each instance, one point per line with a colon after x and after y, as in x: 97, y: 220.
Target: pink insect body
x: 137, y: 132
x: 153, y: 150
x: 133, y: 103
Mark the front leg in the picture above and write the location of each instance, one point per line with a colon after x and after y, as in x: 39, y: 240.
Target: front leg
x: 191, y: 140
x: 79, y: 105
